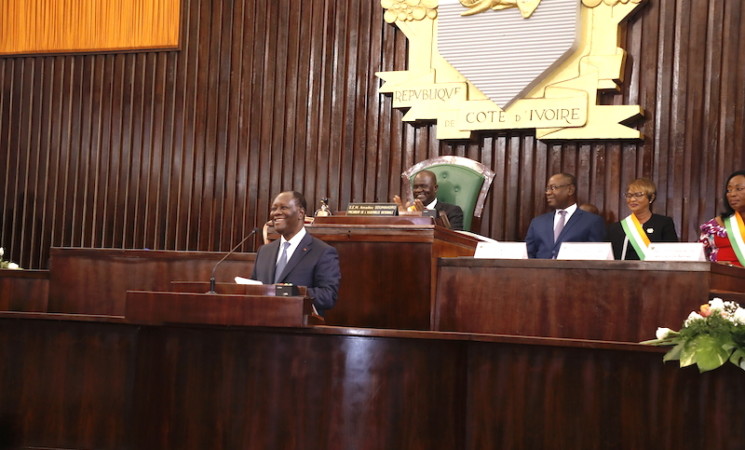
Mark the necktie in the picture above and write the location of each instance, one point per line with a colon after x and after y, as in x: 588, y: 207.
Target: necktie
x: 282, y: 262
x: 559, y: 224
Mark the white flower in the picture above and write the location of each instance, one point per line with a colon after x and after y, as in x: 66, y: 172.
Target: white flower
x: 2, y: 252
x: 717, y: 303
x: 739, y: 316
x: 13, y: 266
x: 662, y: 333
x: 693, y: 316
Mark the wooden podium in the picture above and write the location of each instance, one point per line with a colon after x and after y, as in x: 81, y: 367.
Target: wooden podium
x: 231, y: 304
x: 95, y: 281
x: 598, y: 300
x: 388, y: 268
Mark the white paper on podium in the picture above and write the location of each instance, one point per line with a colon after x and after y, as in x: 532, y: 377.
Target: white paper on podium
x: 501, y: 250
x: 241, y: 280
x: 675, y: 251
x: 586, y: 251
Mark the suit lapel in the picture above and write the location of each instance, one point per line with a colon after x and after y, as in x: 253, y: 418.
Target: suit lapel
x: 273, y: 248
x: 576, y: 217
x: 302, y: 249
x: 549, y: 227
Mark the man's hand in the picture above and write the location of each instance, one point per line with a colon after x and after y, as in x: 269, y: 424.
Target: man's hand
x: 397, y: 200
x: 265, y: 230
x: 414, y: 206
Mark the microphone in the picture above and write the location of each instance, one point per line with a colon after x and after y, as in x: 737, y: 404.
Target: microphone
x: 212, y: 277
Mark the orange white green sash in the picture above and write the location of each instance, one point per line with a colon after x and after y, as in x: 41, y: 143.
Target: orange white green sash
x: 636, y: 235
x: 736, y: 235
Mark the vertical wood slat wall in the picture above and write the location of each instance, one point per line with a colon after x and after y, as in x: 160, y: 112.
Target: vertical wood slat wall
x: 185, y: 150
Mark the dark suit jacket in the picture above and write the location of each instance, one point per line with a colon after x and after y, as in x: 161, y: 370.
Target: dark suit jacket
x: 313, y: 264
x: 663, y: 230
x: 454, y: 213
x: 581, y: 227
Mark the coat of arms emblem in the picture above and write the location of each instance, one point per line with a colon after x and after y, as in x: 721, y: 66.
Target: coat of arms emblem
x: 510, y: 64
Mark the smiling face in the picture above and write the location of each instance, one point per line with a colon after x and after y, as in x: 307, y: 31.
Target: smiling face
x: 639, y: 197
x: 425, y: 187
x: 560, y: 192
x: 638, y: 202
x: 736, y: 193
x: 287, y: 215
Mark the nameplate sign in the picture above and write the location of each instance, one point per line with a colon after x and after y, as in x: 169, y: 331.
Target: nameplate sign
x: 675, y: 251
x: 501, y: 250
x: 586, y: 251
x: 372, y: 209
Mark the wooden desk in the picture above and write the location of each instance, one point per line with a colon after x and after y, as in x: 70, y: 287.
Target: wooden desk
x: 604, y: 300
x: 73, y: 382
x: 388, y: 268
x: 24, y: 290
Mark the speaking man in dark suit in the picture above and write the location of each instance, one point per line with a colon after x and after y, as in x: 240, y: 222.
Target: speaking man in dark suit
x: 297, y: 257
x: 425, y: 197
x: 566, y: 224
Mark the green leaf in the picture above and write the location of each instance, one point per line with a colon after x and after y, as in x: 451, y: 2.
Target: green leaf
x: 709, y: 352
x: 687, y: 355
x: 738, y: 358
x: 662, y: 342
x: 674, y: 353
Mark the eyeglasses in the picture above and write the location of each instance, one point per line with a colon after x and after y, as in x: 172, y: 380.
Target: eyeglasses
x: 554, y: 187
x: 634, y: 194
x: 736, y: 189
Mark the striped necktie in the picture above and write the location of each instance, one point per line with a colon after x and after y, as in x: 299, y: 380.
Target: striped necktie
x: 559, y: 224
x: 282, y: 262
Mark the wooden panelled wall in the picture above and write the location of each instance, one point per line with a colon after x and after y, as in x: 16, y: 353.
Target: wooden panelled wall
x: 184, y: 150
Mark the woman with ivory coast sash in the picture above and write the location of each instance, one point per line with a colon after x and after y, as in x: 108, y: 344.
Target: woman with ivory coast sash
x: 631, y: 236
x: 724, y: 235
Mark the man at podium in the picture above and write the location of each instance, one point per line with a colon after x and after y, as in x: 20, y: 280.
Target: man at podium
x: 297, y: 257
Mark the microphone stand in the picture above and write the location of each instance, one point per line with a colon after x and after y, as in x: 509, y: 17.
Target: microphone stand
x: 212, y: 277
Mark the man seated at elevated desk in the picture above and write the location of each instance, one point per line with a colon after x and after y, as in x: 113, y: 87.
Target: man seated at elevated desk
x: 303, y: 259
x: 425, y: 197
x: 566, y: 224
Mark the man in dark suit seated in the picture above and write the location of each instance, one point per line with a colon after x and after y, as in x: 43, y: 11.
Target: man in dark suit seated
x: 297, y: 257
x: 566, y: 224
x: 425, y: 197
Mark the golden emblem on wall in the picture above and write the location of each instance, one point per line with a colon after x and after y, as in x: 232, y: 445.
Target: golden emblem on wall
x: 512, y: 64
x: 526, y: 7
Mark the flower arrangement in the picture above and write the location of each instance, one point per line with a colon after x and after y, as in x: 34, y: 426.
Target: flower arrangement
x: 709, y: 337
x: 6, y: 264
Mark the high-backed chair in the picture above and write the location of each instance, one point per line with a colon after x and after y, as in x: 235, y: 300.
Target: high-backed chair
x: 461, y: 181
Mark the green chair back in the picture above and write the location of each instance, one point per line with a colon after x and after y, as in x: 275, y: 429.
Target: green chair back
x: 461, y: 181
